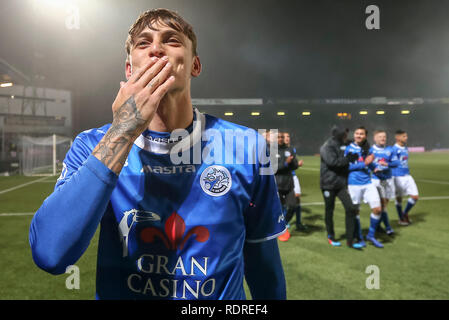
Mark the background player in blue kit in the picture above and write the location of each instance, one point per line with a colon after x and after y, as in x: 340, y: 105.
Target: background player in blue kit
x: 384, y: 161
x: 404, y: 183
x: 360, y: 186
x: 190, y: 229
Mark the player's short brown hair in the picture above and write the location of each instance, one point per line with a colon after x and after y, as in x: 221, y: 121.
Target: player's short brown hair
x: 379, y: 131
x: 164, y: 16
x: 362, y: 128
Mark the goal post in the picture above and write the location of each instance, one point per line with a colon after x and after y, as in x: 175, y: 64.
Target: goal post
x: 43, y: 155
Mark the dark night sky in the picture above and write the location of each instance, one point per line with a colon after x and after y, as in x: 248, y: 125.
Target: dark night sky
x: 249, y: 49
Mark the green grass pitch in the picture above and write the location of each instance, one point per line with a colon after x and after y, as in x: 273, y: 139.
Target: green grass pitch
x: 413, y: 264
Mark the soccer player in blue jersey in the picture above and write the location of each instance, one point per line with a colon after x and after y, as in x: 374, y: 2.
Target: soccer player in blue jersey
x: 174, y: 224
x: 404, y: 183
x: 382, y: 178
x: 360, y: 186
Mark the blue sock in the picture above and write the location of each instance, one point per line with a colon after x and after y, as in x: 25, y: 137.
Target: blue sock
x: 410, y: 204
x: 374, y: 223
x: 384, y: 219
x: 399, y: 209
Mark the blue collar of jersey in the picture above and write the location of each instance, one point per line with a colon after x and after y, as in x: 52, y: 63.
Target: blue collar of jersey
x: 164, y: 137
x: 162, y: 143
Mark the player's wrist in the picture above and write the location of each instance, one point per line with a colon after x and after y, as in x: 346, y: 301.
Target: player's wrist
x: 114, y: 148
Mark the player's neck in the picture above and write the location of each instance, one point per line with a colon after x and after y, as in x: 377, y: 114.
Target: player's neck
x: 174, y: 112
x: 400, y: 144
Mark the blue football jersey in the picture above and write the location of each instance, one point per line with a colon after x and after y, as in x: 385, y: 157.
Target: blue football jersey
x: 401, y: 154
x: 358, y: 172
x: 177, y: 230
x: 387, y: 155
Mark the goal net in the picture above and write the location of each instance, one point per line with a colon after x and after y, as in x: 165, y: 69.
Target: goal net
x: 43, y: 155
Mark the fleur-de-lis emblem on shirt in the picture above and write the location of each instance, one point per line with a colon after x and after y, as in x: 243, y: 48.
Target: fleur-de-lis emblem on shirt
x: 173, y: 237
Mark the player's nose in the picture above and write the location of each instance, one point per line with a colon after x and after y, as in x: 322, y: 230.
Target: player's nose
x: 156, y: 50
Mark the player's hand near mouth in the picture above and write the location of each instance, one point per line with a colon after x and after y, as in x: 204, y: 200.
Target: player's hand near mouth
x: 133, y: 109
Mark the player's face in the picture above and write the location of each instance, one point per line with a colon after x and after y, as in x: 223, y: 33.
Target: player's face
x: 165, y: 41
x: 287, y: 138
x: 280, y: 138
x: 402, y: 138
x: 359, y: 136
x: 380, y: 139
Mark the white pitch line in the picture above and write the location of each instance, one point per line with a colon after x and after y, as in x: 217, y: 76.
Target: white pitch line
x: 22, y: 185
x: 303, y: 204
x: 434, y: 198
x: 16, y: 214
x: 433, y: 181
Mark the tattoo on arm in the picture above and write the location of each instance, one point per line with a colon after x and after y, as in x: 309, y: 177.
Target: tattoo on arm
x: 113, y: 149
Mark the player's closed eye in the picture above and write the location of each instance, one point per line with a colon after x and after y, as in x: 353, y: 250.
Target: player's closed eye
x: 143, y: 43
x: 174, y: 41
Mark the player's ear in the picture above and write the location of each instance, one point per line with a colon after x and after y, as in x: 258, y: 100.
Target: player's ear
x: 128, y: 69
x: 196, y: 67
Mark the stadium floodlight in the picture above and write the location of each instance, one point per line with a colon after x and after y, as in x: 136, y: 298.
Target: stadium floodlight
x: 306, y: 113
x: 363, y: 112
x: 405, y: 111
x: 255, y: 113
x: 228, y: 114
x: 6, y: 84
x: 380, y: 112
x: 281, y: 113
x: 12, y: 97
x: 344, y: 115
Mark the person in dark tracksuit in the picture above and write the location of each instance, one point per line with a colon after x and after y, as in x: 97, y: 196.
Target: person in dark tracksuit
x: 333, y: 183
x: 287, y: 162
x: 296, y: 190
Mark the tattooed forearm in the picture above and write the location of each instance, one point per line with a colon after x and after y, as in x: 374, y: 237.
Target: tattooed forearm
x: 113, y: 149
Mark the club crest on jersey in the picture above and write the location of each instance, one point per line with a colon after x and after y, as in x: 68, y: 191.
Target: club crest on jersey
x: 216, y: 181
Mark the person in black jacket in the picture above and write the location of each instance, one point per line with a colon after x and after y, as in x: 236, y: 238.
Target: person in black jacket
x: 287, y: 162
x: 333, y: 183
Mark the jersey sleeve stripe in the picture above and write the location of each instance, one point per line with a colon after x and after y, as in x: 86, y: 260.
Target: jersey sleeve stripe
x: 267, y: 238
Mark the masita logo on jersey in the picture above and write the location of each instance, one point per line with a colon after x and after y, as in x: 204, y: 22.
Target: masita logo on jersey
x: 163, y: 275
x: 216, y: 181
x: 189, y: 168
